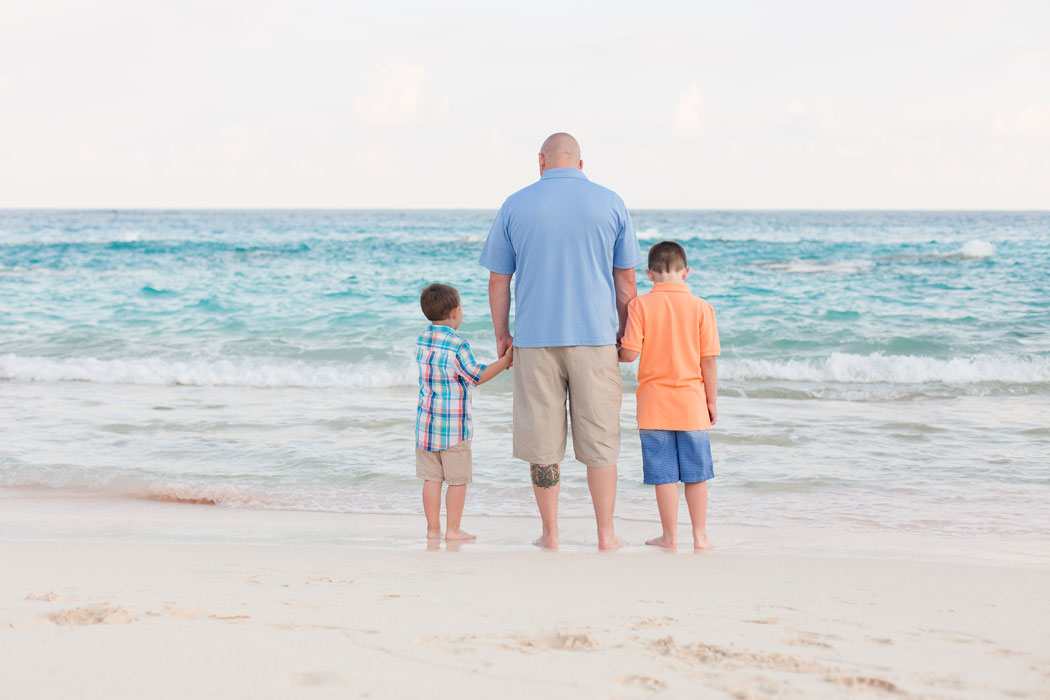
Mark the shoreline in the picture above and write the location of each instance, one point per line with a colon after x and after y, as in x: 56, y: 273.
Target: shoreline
x: 54, y: 515
x: 146, y: 599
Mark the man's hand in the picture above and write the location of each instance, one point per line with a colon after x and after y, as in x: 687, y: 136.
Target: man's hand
x: 712, y: 410
x: 504, y: 344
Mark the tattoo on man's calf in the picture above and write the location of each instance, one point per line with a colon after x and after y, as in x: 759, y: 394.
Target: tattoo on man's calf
x: 545, y: 475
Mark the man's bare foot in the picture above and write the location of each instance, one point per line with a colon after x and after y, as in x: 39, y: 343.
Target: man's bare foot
x: 702, y: 542
x: 606, y: 544
x: 663, y: 541
x: 433, y: 534
x: 546, y: 542
x: 458, y: 534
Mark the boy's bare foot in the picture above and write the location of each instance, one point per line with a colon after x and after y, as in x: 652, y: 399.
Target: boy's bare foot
x: 458, y: 534
x: 702, y: 542
x: 663, y: 541
x: 433, y: 534
x: 606, y: 544
x: 546, y: 542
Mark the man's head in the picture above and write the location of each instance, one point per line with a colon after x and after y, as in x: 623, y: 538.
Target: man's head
x: 560, y: 150
x: 667, y: 262
x: 440, y: 302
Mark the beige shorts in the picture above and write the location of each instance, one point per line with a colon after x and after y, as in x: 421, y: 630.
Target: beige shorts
x: 453, y: 466
x: 590, y: 377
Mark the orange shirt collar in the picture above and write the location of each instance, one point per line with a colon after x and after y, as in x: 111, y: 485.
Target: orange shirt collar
x: 671, y: 287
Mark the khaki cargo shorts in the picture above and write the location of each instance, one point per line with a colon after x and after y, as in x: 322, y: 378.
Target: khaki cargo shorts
x: 454, y: 466
x: 590, y: 377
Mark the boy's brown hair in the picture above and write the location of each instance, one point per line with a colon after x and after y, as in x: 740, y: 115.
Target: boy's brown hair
x: 667, y: 256
x: 438, y: 301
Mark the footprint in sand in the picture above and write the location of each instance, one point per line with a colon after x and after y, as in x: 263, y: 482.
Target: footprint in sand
x: 315, y: 678
x: 865, y: 682
x: 653, y: 684
x: 182, y: 613
x: 564, y: 642
x: 650, y: 622
x: 50, y: 597
x: 103, y: 613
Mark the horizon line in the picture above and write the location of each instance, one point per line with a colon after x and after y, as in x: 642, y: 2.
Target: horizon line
x: 492, y: 209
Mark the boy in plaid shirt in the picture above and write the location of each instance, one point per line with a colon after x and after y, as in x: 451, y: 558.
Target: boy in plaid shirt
x: 447, y: 370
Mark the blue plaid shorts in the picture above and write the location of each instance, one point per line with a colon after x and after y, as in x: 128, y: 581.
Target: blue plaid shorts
x: 670, y: 456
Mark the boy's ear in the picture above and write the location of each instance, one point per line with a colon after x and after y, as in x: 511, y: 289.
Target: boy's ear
x: 650, y: 273
x: 685, y: 274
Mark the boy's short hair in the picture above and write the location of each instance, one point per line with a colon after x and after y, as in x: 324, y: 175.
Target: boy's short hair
x: 438, y: 301
x: 667, y: 256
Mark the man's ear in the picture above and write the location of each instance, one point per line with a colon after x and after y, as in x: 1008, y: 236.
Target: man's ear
x: 543, y: 163
x: 581, y: 164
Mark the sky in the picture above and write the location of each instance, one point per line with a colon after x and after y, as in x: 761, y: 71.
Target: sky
x: 688, y: 105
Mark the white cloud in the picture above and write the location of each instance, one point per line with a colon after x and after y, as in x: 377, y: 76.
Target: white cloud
x: 686, y: 117
x: 394, y: 97
x: 1029, y: 123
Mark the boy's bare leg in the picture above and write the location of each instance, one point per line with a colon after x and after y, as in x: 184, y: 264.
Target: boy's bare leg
x: 432, y: 508
x: 696, y: 499
x: 546, y: 484
x: 667, y: 502
x: 602, y: 483
x: 455, y: 497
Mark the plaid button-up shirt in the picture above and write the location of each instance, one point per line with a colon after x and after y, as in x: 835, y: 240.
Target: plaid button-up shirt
x: 447, y: 370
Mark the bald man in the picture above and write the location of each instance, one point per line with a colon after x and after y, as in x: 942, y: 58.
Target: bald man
x: 571, y: 249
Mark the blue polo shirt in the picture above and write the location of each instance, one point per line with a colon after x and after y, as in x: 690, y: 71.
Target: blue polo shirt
x: 561, y: 237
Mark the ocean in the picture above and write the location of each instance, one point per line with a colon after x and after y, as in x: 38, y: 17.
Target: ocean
x: 880, y: 370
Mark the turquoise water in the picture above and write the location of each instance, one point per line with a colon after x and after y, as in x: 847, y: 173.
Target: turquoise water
x: 880, y: 369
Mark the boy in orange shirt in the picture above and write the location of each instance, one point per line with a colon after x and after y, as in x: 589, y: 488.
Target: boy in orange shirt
x: 676, y: 335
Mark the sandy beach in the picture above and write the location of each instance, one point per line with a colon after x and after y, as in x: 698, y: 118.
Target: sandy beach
x: 121, y: 598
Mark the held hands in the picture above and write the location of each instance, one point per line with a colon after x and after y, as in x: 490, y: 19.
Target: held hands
x: 508, y: 357
x: 503, y: 344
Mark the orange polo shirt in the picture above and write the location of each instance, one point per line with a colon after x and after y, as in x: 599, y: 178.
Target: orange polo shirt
x: 672, y: 329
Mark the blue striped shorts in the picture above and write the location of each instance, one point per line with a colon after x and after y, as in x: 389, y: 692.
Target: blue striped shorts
x: 670, y: 456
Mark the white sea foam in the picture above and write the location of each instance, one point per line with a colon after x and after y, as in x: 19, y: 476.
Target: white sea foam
x: 976, y: 249
x: 835, y: 267
x: 204, y: 372
x: 849, y: 368
x: 649, y: 234
x: 838, y: 367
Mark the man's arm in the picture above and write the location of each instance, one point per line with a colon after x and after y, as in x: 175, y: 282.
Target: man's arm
x: 499, y: 305
x: 626, y: 289
x: 709, y: 371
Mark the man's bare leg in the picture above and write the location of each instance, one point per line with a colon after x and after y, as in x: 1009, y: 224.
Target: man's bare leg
x: 432, y: 508
x: 602, y: 483
x: 696, y: 498
x: 667, y: 502
x: 546, y: 484
x: 455, y: 497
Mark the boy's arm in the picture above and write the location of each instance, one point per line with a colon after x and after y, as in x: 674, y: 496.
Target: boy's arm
x: 630, y: 344
x: 709, y: 371
x: 498, y: 366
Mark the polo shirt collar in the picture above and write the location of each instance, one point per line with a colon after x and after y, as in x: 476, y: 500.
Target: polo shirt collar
x: 563, y: 172
x: 442, y: 329
x: 671, y: 287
